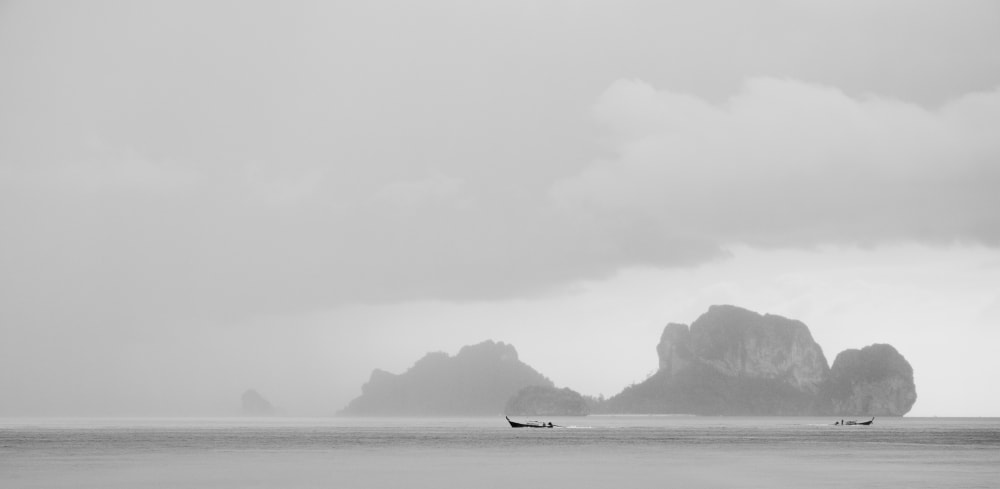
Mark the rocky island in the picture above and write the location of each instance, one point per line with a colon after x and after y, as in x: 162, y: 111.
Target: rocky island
x: 874, y: 380
x: 479, y: 380
x: 255, y: 404
x: 732, y: 361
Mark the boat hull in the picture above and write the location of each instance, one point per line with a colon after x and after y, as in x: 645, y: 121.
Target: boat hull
x: 856, y: 423
x: 515, y: 424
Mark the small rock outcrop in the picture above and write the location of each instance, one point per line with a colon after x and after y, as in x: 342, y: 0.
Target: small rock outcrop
x: 674, y: 349
x: 479, y: 380
x: 539, y: 400
x: 875, y: 380
x: 254, y: 404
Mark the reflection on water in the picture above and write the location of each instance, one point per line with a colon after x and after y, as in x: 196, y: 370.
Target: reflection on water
x: 595, y: 451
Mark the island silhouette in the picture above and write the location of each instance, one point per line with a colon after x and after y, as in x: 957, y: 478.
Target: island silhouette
x: 729, y: 361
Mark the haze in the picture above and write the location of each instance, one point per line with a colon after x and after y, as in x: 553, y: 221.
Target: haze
x: 197, y: 198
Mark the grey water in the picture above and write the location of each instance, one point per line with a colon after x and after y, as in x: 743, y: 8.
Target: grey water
x: 593, y: 451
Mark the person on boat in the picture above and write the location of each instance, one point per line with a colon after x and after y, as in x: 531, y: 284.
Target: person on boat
x: 550, y: 424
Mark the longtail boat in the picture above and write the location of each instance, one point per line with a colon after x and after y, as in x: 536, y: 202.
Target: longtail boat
x: 529, y: 424
x: 856, y: 423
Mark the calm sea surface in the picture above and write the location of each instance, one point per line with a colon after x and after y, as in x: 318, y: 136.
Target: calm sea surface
x: 594, y: 451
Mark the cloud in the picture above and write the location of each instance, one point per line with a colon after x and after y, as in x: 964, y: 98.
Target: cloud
x: 789, y: 163
x: 780, y: 164
x: 279, y: 187
x: 100, y: 170
x: 407, y: 194
x: 166, y: 169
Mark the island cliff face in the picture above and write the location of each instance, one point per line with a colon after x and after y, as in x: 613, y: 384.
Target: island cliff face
x: 741, y: 343
x: 479, y: 380
x: 875, y: 380
x: 732, y: 361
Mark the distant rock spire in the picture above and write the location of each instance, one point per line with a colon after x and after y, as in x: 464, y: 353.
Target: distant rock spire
x: 254, y: 404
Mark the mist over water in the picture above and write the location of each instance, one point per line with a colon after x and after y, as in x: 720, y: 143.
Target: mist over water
x: 595, y: 451
x: 206, y: 208
x: 197, y: 200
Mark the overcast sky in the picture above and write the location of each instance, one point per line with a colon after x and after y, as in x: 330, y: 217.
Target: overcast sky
x: 197, y: 198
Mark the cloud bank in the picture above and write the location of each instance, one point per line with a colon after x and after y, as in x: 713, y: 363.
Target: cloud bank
x: 186, y: 183
x: 784, y: 163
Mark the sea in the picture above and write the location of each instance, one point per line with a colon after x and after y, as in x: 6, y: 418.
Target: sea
x: 584, y: 452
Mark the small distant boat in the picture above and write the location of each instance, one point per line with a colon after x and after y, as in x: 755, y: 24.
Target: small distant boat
x: 857, y: 423
x: 529, y: 424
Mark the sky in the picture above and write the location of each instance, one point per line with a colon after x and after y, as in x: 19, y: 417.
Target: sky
x: 198, y: 198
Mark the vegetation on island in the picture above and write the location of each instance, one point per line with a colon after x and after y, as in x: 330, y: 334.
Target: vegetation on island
x: 540, y: 400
